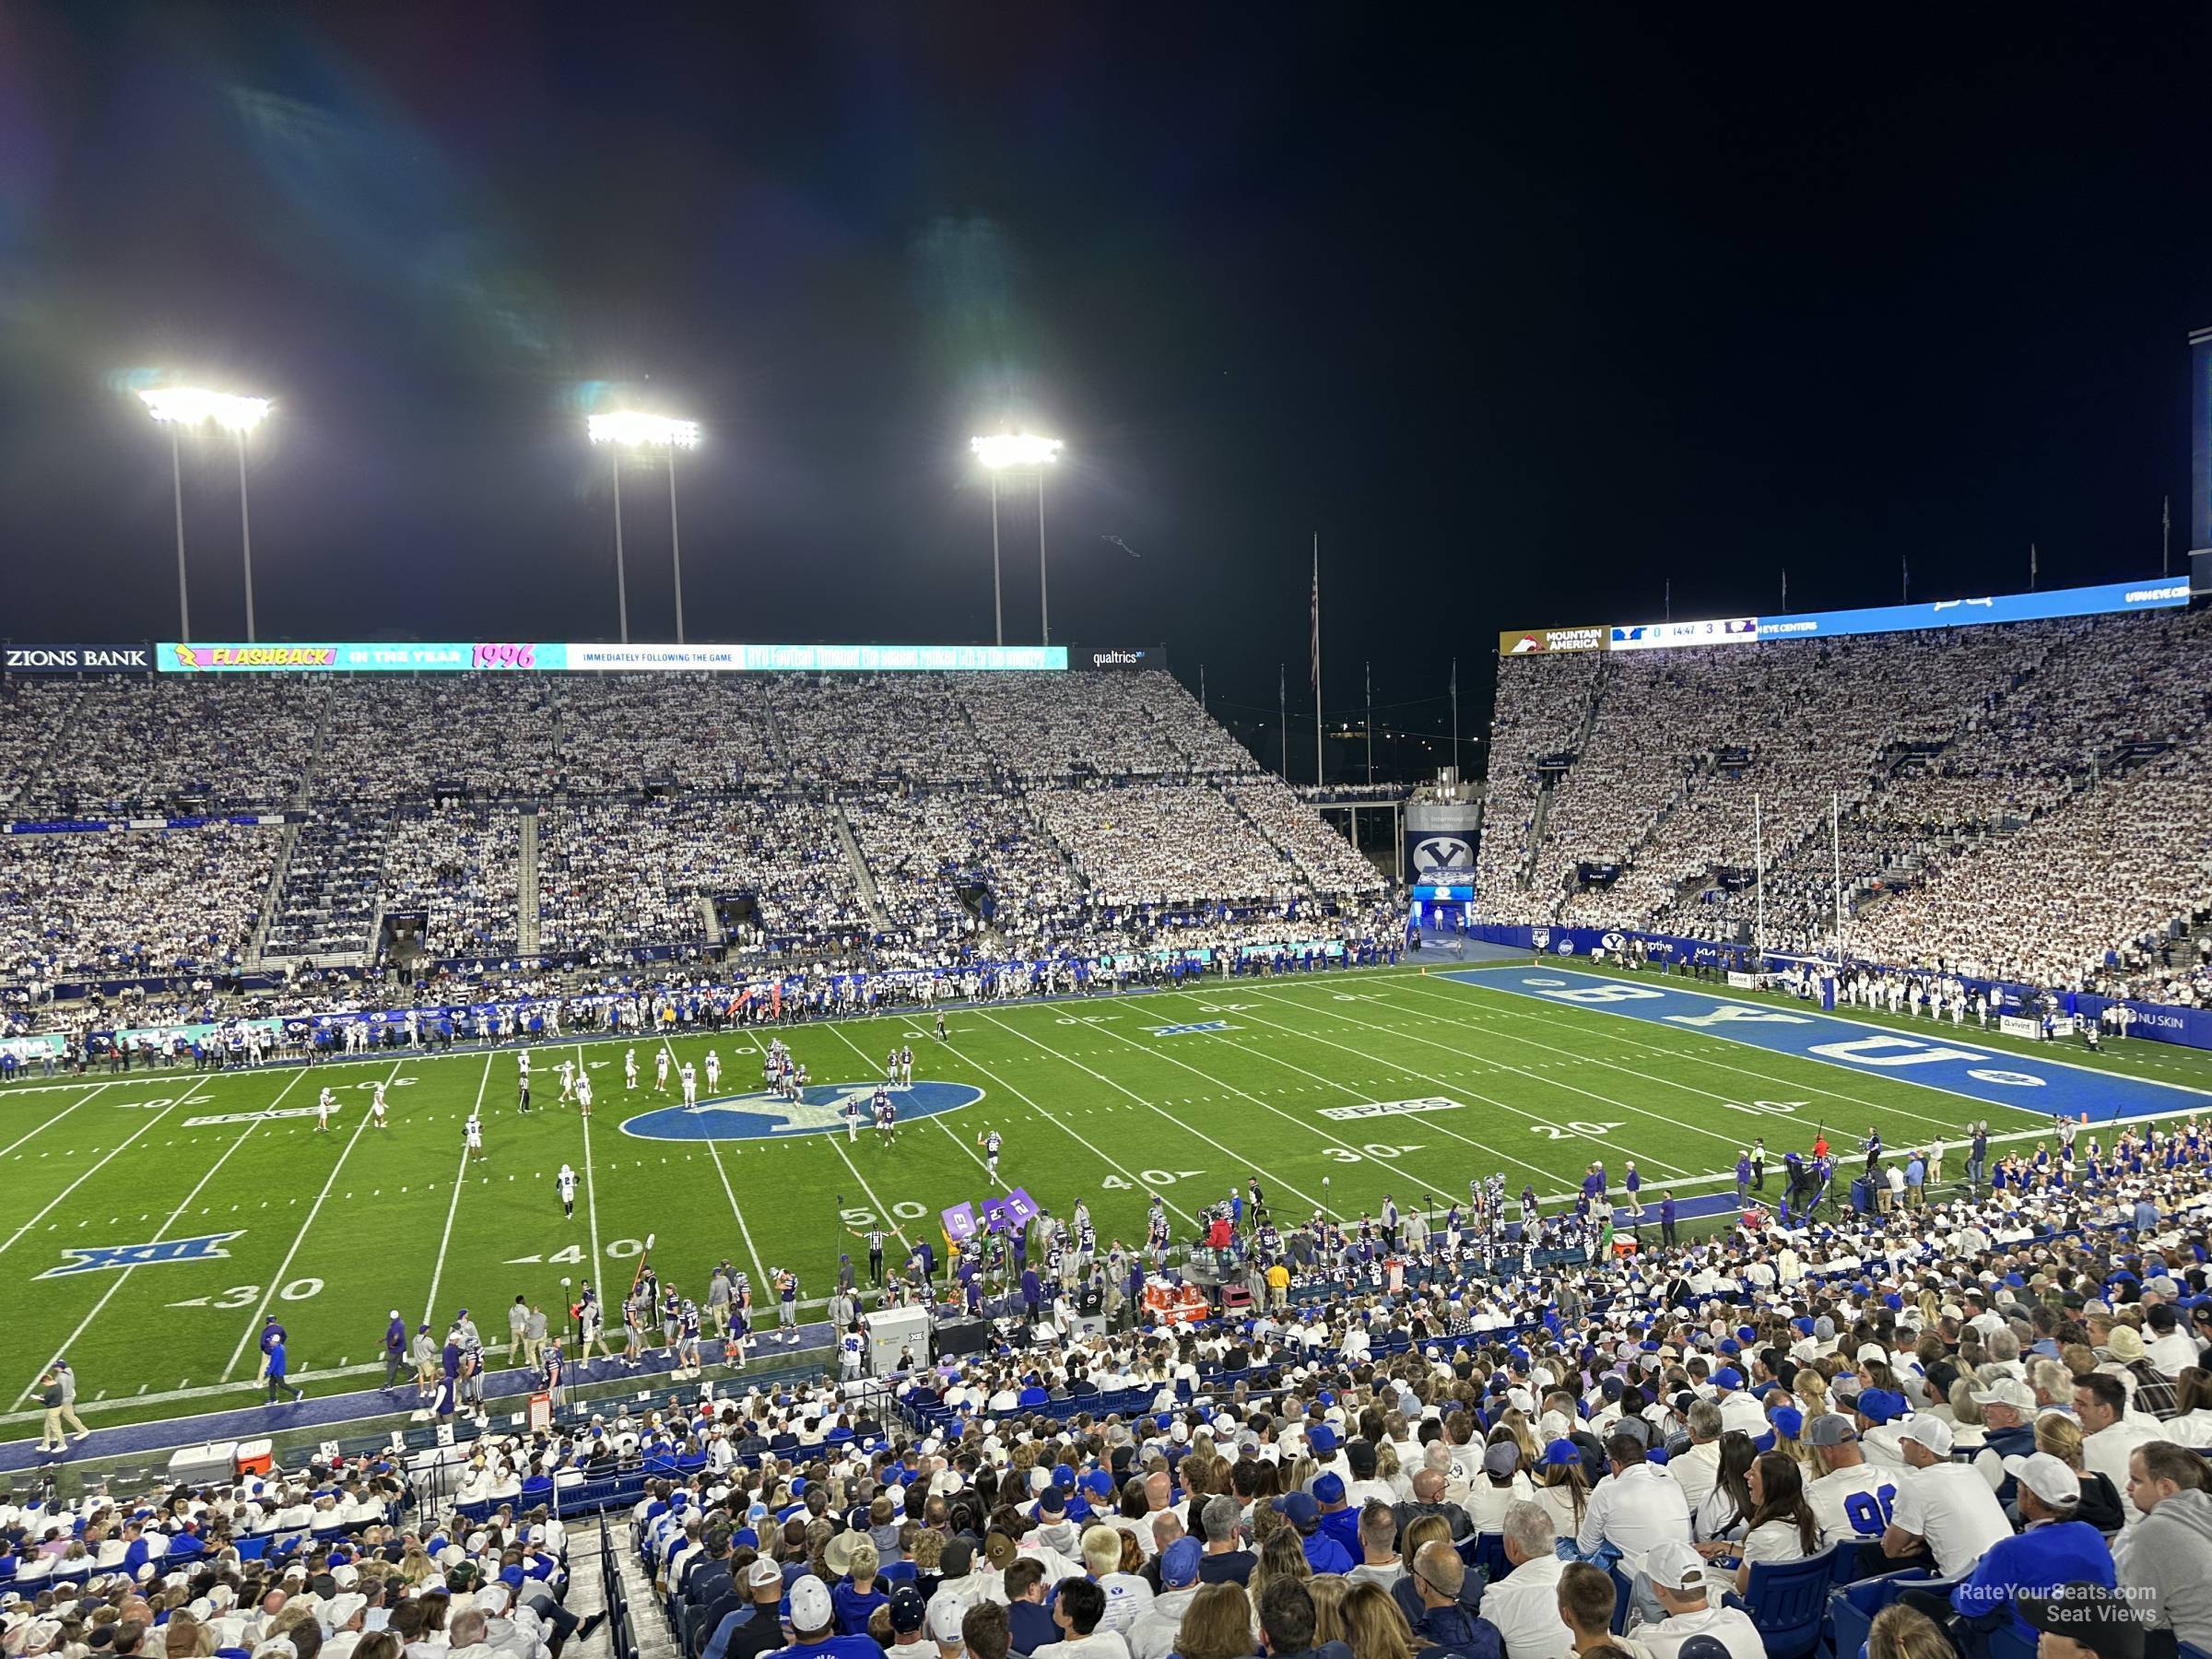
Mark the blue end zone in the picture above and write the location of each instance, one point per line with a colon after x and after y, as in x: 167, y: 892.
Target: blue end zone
x: 821, y: 1109
x: 1946, y: 1059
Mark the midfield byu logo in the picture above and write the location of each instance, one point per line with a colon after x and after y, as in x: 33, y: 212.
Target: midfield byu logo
x: 98, y: 1258
x: 1433, y: 852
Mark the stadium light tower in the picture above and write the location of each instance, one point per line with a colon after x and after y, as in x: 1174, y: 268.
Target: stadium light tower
x: 999, y: 452
x: 630, y: 430
x: 180, y: 407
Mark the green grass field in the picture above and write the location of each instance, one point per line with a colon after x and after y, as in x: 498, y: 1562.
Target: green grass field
x: 334, y: 1231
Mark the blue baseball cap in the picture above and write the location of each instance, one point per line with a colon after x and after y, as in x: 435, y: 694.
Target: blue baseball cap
x: 1559, y: 1452
x: 1329, y: 1488
x: 1178, y: 1563
x: 1727, y: 1377
x: 1881, y: 1405
x: 1789, y: 1420
x: 1298, y: 1509
x: 1323, y: 1439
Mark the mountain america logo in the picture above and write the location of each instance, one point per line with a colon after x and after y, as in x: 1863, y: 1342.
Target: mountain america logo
x: 821, y: 1109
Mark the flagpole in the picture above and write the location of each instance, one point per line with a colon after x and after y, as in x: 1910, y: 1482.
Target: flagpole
x: 1371, y: 721
x: 1317, y: 765
x: 1201, y: 688
x: 1455, y: 717
x: 1836, y: 844
x: 2166, y: 537
x: 1759, y: 877
x: 2031, y: 569
x: 1282, y: 712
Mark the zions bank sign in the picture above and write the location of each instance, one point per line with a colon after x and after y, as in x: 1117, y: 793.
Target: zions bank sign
x: 76, y: 659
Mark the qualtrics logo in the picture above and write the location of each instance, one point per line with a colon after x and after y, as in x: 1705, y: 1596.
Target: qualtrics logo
x: 1116, y: 659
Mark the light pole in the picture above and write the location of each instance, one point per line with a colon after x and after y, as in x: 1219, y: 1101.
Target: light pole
x: 180, y: 407
x: 630, y: 430
x: 998, y: 452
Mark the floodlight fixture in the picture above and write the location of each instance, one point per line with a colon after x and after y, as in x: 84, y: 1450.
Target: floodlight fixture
x: 633, y: 428
x: 999, y: 452
x: 641, y: 431
x: 195, y: 406
x: 178, y: 407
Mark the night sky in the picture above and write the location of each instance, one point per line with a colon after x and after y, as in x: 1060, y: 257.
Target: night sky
x: 1525, y: 310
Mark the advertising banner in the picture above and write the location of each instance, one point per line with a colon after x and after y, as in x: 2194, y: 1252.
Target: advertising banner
x: 178, y: 656
x: 1967, y: 613
x: 2012, y: 1025
x: 1122, y: 656
x: 1534, y: 641
x: 813, y: 659
x: 76, y: 659
x: 475, y: 656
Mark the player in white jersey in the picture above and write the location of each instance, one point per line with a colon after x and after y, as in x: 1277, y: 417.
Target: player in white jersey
x: 660, y: 1071
x: 989, y: 1141
x: 583, y: 1095
x: 324, y: 1108
x: 852, y: 1118
x: 566, y: 1181
x: 690, y: 1073
x: 906, y: 1067
x: 376, y: 1104
x: 473, y: 1132
x: 629, y: 1067
x: 568, y: 1081
x: 713, y: 1071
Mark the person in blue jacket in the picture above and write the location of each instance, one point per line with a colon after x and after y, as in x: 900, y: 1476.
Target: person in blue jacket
x: 278, y: 1363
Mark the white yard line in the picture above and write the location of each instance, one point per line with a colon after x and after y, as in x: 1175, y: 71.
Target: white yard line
x: 57, y: 1118
x: 187, y: 1098
x: 1588, y: 1094
x: 429, y: 1303
x: 270, y: 1291
x: 731, y: 1194
x: 1431, y: 1122
x: 1229, y: 1152
x: 1538, y: 1010
x: 591, y: 1187
x: 119, y: 1279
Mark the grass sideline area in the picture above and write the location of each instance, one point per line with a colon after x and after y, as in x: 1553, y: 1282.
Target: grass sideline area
x: 1333, y: 1088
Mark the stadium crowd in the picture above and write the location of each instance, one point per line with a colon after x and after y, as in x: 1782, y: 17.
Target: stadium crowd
x: 997, y: 816
x: 1424, y: 1444
x: 2026, y: 801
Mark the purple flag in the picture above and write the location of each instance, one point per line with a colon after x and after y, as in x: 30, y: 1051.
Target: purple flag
x: 959, y: 1222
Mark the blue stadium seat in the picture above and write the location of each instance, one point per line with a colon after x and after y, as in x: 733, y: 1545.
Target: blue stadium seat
x: 1851, y: 1608
x: 1788, y: 1600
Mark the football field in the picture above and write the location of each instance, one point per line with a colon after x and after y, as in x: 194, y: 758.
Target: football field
x: 153, y: 1219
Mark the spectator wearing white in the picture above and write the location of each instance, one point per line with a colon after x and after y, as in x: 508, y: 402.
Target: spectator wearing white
x: 1692, y: 1607
x: 1127, y: 1595
x: 1941, y: 1506
x: 1152, y: 1636
x: 1638, y: 1506
x: 1738, y: 1409
x: 1525, y: 1603
x: 2108, y: 1433
x: 1698, y: 1468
